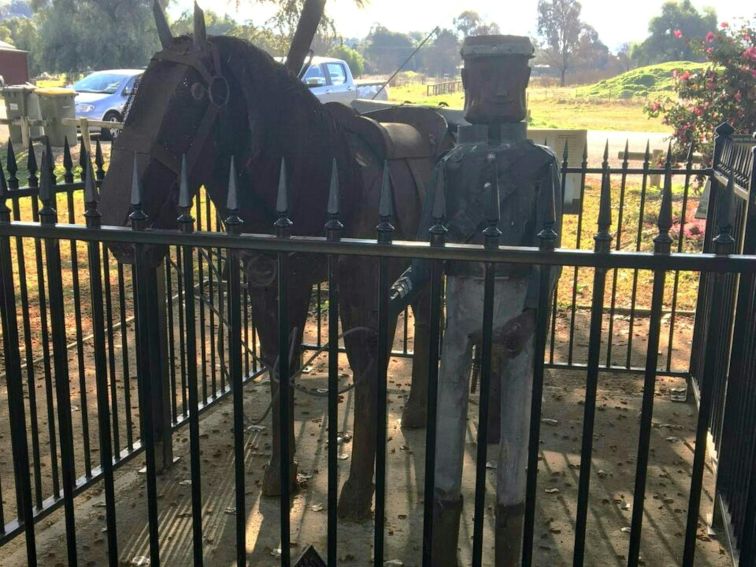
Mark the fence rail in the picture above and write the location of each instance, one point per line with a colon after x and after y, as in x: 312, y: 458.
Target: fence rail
x: 205, y: 348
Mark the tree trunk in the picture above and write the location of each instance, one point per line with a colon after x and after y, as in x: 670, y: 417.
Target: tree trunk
x: 561, y: 80
x: 312, y: 12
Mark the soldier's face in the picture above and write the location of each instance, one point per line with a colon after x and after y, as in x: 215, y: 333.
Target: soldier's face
x: 495, y: 89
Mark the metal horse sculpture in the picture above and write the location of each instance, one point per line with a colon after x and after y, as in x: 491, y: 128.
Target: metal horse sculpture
x: 211, y: 98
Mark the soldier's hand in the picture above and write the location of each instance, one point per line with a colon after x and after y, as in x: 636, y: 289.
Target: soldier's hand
x: 516, y: 332
x: 513, y: 335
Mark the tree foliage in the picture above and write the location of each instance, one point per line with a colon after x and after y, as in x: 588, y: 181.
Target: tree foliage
x: 560, y: 27
x: 23, y: 34
x: 354, y: 58
x: 725, y: 91
x: 675, y: 33
x: 385, y: 50
x: 470, y: 22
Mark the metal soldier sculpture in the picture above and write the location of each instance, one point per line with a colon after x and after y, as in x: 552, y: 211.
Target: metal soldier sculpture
x: 492, y: 153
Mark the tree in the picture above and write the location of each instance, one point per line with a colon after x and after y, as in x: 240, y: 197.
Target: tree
x: 442, y: 56
x: 23, y: 34
x: 77, y: 35
x: 354, y: 58
x: 560, y: 26
x: 723, y: 92
x: 674, y: 34
x: 624, y: 56
x: 469, y: 23
x: 386, y: 50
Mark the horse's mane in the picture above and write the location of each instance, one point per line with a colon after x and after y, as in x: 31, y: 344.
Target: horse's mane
x: 269, y: 86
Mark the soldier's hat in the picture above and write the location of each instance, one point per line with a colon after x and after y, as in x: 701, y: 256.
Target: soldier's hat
x: 497, y: 46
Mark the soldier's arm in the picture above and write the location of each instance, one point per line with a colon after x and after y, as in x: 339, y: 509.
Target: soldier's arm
x: 549, y: 182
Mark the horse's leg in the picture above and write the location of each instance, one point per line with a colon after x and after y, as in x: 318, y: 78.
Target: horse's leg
x: 415, y: 411
x: 264, y: 302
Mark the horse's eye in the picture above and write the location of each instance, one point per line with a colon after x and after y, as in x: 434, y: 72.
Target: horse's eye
x: 198, y: 91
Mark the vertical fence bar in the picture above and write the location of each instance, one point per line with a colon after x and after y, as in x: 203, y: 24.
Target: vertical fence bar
x: 283, y: 230
x: 15, y: 386
x: 554, y: 306
x: 186, y: 223
x: 724, y: 244
x: 547, y: 238
x: 234, y: 227
x: 211, y: 296
x: 201, y: 283
x: 617, y: 246
x: 28, y: 350
x: 603, y: 241
x: 491, y: 235
x: 125, y: 358
x: 92, y: 216
x: 110, y: 335
x: 578, y: 239
x: 385, y: 236
x: 333, y: 228
x: 145, y: 373
x: 181, y: 323
x: 48, y: 217
x: 638, y: 236
x: 662, y: 246
x: 437, y: 240
x: 33, y: 180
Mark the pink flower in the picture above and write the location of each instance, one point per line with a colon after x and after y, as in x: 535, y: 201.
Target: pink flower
x: 749, y: 54
x: 738, y: 96
x: 724, y: 25
x: 710, y: 37
x: 677, y: 34
x: 698, y: 111
x: 685, y: 76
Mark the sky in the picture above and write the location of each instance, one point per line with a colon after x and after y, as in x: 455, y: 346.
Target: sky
x: 617, y: 22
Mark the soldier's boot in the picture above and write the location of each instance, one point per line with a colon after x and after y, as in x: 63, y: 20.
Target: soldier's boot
x: 509, y: 525
x: 446, y: 516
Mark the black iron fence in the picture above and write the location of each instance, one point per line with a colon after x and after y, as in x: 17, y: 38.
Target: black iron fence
x: 70, y: 333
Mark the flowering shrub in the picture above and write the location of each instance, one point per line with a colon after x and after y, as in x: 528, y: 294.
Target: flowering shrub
x: 724, y: 91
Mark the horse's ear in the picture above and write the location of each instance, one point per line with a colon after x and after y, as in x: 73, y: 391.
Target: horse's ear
x: 163, y: 29
x: 200, y: 32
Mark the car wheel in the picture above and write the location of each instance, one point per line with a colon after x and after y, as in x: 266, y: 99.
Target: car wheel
x: 110, y: 134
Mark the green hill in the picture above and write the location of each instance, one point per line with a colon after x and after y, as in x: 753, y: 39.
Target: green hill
x: 640, y: 82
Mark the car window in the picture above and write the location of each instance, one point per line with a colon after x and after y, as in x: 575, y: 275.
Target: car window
x: 102, y: 83
x: 337, y: 73
x: 314, y: 72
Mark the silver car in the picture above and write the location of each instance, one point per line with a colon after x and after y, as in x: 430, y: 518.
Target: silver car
x: 102, y: 96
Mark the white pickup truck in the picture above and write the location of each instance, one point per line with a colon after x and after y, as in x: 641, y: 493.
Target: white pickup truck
x: 331, y: 80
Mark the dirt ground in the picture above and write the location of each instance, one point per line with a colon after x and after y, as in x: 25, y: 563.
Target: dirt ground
x: 612, y: 477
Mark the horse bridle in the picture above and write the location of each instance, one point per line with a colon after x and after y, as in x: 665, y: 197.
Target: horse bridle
x: 218, y: 94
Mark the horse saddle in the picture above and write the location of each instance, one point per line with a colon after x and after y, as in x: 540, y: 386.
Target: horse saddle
x: 410, y: 140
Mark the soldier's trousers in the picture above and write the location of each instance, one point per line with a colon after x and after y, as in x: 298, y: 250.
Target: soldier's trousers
x: 464, y: 316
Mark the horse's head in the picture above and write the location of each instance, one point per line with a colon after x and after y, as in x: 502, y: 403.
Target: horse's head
x: 181, y: 97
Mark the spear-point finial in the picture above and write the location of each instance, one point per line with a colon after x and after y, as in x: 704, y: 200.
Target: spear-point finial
x: 46, y: 191
x: 333, y: 190
x: 185, y: 195
x: 585, y: 154
x: 232, y: 197
x: 282, y: 200
x: 283, y: 224
x: 565, y: 153
x: 12, y: 167
x: 626, y: 155
x: 31, y: 166
x: 90, y: 186
x: 663, y: 241
x: 50, y: 157
x: 138, y: 217
x: 605, y: 162
x: 83, y: 157
x: 185, y: 220
x: 668, y: 158
x: 724, y: 243
x: 136, y: 185
x: 647, y: 154
x: 333, y: 225
x: 68, y: 176
x: 689, y: 156
x: 233, y: 222
x: 385, y: 205
x: 4, y: 210
x: 99, y: 161
x: 438, y: 230
x: 603, y: 238
x: 385, y: 208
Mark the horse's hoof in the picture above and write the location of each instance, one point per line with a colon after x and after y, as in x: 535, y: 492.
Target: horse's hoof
x: 414, y: 416
x: 271, y: 485
x: 355, y: 502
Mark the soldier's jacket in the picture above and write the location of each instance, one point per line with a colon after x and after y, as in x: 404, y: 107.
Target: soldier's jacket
x: 525, y: 172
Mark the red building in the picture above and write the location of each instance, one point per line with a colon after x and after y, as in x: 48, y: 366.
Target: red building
x: 14, y: 65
